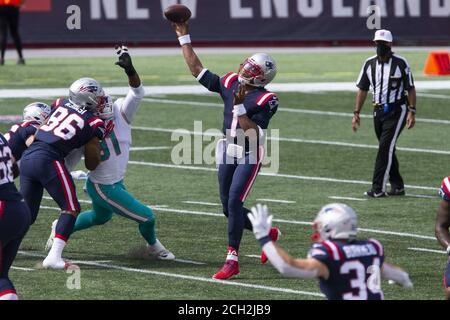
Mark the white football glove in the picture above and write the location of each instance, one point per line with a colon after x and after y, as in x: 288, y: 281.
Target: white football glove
x: 79, y: 175
x: 261, y: 221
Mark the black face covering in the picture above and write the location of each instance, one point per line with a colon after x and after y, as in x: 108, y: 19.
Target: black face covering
x: 383, y: 49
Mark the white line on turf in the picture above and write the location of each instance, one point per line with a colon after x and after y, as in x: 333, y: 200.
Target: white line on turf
x: 268, y: 174
x: 22, y: 269
x: 291, y: 110
x: 308, y: 223
x: 421, y: 196
x: 346, y: 198
x: 298, y: 140
x: 253, y: 256
x: 428, y: 250
x: 277, y: 201
x: 149, y: 148
x: 190, y: 262
x: 203, y: 203
x: 187, y: 277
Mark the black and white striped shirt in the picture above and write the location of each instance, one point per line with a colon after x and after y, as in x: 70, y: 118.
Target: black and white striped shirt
x: 389, y: 80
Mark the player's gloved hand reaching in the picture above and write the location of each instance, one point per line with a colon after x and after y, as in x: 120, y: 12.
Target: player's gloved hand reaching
x: 261, y: 221
x: 125, y: 61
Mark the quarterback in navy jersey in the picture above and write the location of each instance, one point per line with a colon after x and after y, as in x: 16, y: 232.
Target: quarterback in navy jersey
x: 347, y: 268
x: 248, y: 108
x: 71, y: 125
x: 14, y: 219
x: 442, y: 229
x: 34, y: 115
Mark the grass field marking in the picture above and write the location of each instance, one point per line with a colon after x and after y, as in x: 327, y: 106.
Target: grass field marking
x: 291, y: 110
x: 186, y: 277
x: 279, y: 175
x: 277, y: 201
x: 428, y: 250
x: 203, y: 203
x: 431, y: 95
x: 346, y: 198
x: 22, y: 269
x: 299, y: 140
x: 421, y: 196
x: 253, y: 256
x: 190, y: 262
x: 150, y: 148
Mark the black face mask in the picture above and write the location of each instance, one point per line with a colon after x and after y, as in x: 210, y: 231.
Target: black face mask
x: 383, y: 49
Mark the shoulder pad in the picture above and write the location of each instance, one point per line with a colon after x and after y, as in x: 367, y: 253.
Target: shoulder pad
x: 378, y: 246
x: 228, y: 79
x: 267, y: 97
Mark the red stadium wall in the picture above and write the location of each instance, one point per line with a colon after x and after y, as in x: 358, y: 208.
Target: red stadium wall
x: 235, y: 22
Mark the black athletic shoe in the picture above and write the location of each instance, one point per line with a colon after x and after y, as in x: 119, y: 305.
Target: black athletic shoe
x: 396, y: 192
x: 373, y: 194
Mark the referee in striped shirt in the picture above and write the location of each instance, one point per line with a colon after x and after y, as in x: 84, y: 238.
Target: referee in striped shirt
x: 394, y: 101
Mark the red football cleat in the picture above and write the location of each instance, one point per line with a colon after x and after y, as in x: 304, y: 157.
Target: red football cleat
x: 274, y: 234
x: 229, y: 269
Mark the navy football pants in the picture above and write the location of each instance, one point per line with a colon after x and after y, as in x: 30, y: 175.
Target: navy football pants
x: 37, y: 174
x: 236, y: 178
x: 447, y: 275
x: 14, y: 224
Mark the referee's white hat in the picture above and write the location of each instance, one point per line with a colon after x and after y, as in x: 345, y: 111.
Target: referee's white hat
x: 383, y: 35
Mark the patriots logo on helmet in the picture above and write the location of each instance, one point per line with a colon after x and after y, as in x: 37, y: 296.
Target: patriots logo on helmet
x: 92, y: 89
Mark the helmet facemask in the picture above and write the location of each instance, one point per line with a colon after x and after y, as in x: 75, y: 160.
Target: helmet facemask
x: 104, y: 108
x: 249, y: 71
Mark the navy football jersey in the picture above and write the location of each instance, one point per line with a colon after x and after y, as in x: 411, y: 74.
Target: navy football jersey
x: 8, y: 190
x: 18, y: 135
x: 260, y: 104
x: 353, y: 267
x: 67, y: 128
x: 444, y: 190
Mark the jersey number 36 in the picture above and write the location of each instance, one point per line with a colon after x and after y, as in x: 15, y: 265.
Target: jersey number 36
x: 63, y: 124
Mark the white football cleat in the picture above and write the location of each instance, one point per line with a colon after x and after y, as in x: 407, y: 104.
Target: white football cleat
x: 49, y: 243
x: 160, y: 252
x: 57, y: 264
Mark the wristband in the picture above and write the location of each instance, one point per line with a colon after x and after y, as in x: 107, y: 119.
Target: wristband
x: 184, y: 39
x: 412, y: 109
x: 264, y: 240
x: 239, y: 110
x: 448, y: 250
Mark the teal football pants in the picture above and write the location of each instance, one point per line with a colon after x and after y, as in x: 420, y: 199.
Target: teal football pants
x: 110, y: 199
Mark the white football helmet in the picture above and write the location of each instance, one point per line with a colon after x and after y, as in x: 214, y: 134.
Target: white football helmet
x: 36, y: 111
x: 335, y: 221
x: 87, y: 93
x: 258, y: 70
x: 106, y: 112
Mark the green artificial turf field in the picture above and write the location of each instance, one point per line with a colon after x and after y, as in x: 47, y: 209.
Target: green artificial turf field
x: 320, y: 159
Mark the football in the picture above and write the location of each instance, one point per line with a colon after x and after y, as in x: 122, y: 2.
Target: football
x: 177, y: 13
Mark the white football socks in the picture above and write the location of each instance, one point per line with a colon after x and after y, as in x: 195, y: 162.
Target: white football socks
x: 57, y: 249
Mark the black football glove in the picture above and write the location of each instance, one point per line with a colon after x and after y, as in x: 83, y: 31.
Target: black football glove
x: 125, y: 60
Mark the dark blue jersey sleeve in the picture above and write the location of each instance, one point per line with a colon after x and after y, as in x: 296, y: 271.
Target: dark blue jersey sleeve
x: 261, y: 114
x: 320, y: 252
x: 98, y: 127
x: 210, y: 81
x: 27, y: 131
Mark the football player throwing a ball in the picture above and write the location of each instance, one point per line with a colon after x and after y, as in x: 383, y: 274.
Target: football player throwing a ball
x: 248, y: 108
x: 347, y: 268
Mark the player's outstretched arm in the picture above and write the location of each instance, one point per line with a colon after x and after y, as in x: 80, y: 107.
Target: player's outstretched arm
x: 92, y: 156
x: 443, y: 224
x: 134, y: 97
x: 191, y: 58
x: 397, y: 274
x: 279, y: 258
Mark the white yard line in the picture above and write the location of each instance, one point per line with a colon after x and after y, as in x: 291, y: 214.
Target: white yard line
x: 198, y: 89
x: 203, y: 203
x: 190, y: 262
x: 307, y: 223
x: 149, y: 148
x: 277, y: 201
x: 346, y: 198
x: 253, y: 256
x: 22, y: 269
x: 278, y: 175
x: 295, y: 140
x: 421, y: 196
x: 282, y: 109
x: 187, y: 277
x: 431, y: 95
x: 428, y: 250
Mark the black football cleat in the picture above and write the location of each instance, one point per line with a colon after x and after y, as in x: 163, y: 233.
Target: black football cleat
x: 373, y: 194
x: 397, y: 192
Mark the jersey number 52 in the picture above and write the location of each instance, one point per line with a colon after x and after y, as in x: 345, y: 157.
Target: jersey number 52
x: 63, y: 124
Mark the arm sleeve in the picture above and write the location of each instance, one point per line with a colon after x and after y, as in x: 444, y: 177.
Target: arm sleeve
x: 131, y: 103
x: 210, y: 81
x: 283, y: 267
x: 408, y: 81
x: 399, y: 276
x: 363, y: 82
x: 265, y: 113
x: 28, y: 131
